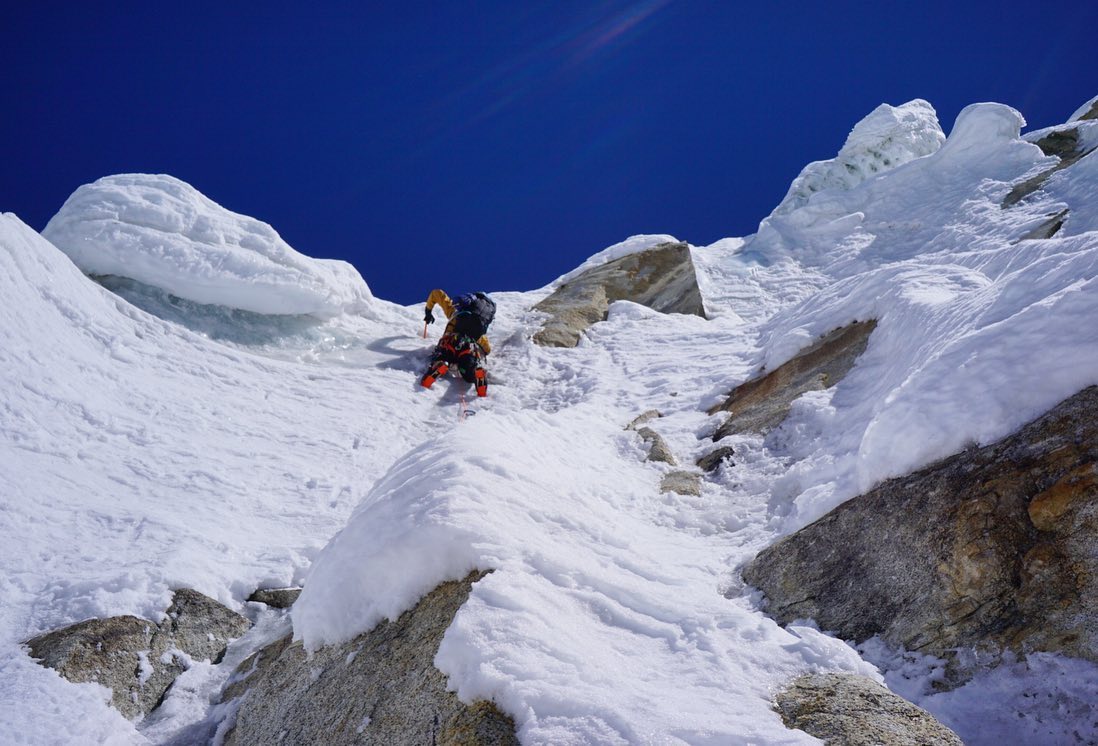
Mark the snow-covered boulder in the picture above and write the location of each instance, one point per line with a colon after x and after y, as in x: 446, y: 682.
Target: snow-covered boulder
x: 888, y: 137
x: 163, y: 232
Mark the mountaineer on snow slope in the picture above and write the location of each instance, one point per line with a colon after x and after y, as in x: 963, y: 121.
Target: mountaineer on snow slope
x: 463, y: 343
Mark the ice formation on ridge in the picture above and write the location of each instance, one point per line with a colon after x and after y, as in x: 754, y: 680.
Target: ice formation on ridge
x: 163, y: 232
x: 888, y: 137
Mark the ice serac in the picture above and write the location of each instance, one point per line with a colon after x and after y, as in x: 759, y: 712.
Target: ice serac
x: 163, y: 232
x: 661, y: 277
x: 991, y: 549
x: 888, y: 137
x: 380, y: 688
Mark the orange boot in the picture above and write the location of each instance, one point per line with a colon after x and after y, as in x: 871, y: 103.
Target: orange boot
x: 437, y: 370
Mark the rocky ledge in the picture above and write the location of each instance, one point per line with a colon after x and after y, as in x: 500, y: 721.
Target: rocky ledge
x: 380, y: 688
x: 994, y: 548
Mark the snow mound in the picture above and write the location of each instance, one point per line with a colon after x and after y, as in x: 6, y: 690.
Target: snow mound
x: 890, y: 136
x: 163, y: 232
x: 983, y: 126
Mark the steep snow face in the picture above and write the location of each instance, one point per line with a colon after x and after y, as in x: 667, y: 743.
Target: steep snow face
x: 139, y: 456
x: 888, y: 137
x: 162, y: 232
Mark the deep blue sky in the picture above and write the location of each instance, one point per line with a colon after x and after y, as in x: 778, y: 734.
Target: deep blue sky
x: 496, y: 145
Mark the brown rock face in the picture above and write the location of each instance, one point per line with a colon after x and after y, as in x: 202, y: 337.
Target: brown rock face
x: 132, y: 656
x: 850, y: 710
x: 682, y: 483
x: 380, y: 688
x: 661, y: 278
x: 992, y: 548
x: 759, y: 405
x: 276, y: 598
x: 1062, y: 143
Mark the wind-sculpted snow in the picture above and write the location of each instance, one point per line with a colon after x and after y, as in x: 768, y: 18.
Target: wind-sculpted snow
x: 888, y: 137
x: 600, y: 623
x: 161, y: 231
x: 979, y: 331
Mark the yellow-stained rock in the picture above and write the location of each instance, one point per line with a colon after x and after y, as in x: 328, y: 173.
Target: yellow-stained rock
x: 1046, y: 508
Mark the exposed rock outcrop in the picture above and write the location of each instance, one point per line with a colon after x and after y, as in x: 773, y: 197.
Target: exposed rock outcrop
x: 851, y: 710
x: 1062, y: 143
x: 380, y: 688
x: 681, y: 483
x: 138, y: 659
x: 759, y: 405
x: 993, y: 548
x: 1091, y: 113
x: 662, y: 278
x: 658, y: 449
x: 1047, y: 229
x: 276, y: 598
x: 716, y: 457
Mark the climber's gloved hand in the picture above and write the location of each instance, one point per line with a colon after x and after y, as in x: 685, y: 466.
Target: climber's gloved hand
x: 428, y: 316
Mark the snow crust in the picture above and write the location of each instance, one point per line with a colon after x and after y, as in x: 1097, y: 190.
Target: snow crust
x: 887, y: 137
x: 163, y: 232
x: 147, y: 444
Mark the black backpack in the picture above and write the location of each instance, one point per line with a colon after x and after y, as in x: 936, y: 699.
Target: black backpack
x: 473, y: 312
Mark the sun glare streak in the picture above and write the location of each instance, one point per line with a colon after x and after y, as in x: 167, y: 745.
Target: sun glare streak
x: 617, y: 28
x: 607, y: 29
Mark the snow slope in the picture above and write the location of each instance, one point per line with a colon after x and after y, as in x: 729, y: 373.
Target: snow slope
x: 141, y: 454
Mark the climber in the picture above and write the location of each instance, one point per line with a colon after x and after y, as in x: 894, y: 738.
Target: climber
x: 463, y: 343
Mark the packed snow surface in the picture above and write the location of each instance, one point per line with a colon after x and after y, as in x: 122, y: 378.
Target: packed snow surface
x: 148, y: 444
x: 163, y: 232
